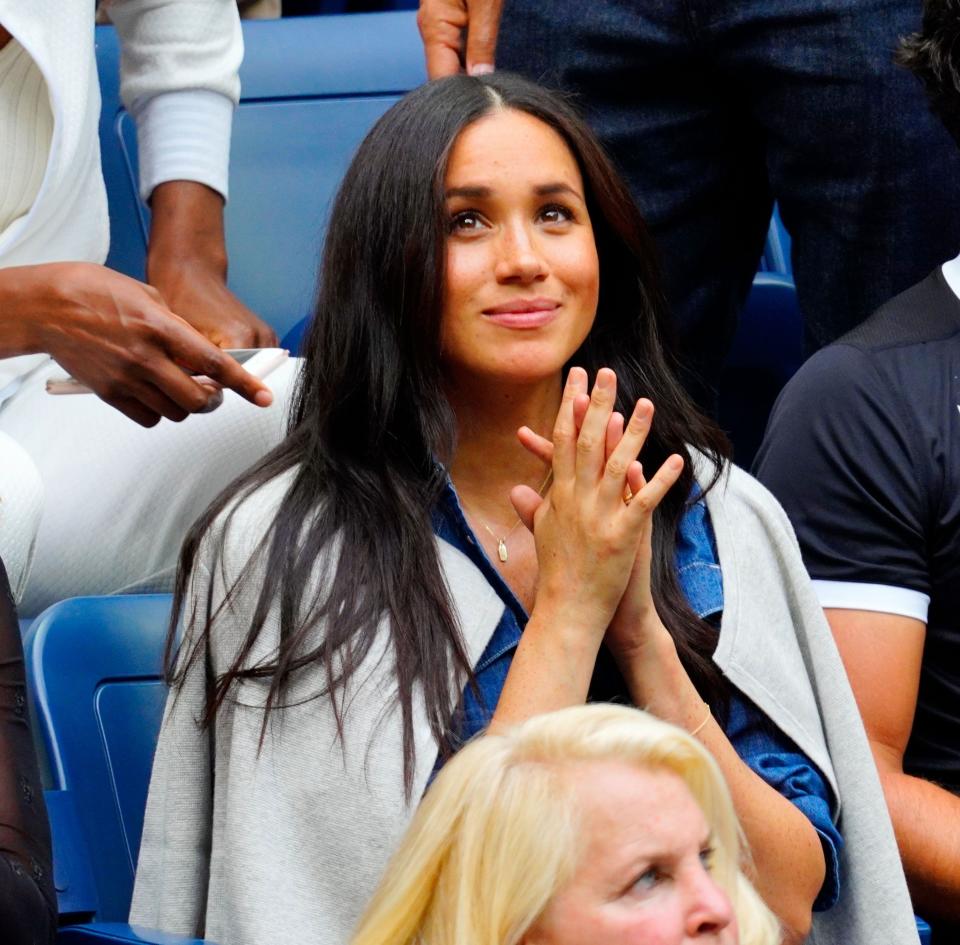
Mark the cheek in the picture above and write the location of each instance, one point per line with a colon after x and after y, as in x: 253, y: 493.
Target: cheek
x: 459, y: 280
x: 579, y: 268
x: 658, y: 921
x: 574, y: 922
x: 465, y: 272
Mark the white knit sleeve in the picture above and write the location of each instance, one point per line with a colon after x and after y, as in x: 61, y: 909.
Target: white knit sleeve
x: 184, y: 136
x: 179, y: 78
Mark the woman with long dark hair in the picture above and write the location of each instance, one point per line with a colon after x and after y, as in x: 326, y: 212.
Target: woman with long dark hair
x: 367, y: 598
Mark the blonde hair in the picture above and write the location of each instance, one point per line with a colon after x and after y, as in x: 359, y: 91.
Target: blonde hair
x: 497, y: 834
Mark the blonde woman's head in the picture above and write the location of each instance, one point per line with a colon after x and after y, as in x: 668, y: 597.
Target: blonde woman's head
x: 592, y: 825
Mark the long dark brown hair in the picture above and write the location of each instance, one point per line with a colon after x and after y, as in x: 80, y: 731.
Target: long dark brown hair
x: 370, y: 420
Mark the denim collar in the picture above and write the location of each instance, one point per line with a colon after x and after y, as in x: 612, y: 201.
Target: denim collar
x: 695, y: 556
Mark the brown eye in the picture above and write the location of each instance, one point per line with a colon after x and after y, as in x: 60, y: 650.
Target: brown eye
x: 556, y: 213
x: 466, y: 221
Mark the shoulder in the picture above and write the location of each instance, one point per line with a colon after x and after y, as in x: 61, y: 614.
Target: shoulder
x: 739, y: 494
x: 926, y: 312
x: 230, y: 571
x: 241, y: 529
x: 876, y: 363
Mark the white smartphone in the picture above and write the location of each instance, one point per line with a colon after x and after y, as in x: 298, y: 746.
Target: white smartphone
x: 257, y: 361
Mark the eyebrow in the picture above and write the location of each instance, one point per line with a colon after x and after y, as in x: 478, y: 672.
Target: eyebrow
x: 479, y: 192
x: 544, y: 190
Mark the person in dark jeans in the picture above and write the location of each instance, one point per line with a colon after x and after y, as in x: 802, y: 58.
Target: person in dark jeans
x: 28, y: 902
x: 713, y: 109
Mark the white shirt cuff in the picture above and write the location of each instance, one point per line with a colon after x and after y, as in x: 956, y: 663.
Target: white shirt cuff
x: 882, y: 598
x: 184, y: 135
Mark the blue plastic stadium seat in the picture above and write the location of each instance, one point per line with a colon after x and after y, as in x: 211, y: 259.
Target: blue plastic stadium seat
x: 94, y: 668
x: 766, y: 352
x: 776, y: 252
x: 312, y: 88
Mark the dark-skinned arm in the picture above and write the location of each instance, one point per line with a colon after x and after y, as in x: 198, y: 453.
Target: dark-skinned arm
x: 187, y: 264
x: 118, y: 337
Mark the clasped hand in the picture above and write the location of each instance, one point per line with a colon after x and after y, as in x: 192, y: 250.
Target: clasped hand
x: 593, y: 528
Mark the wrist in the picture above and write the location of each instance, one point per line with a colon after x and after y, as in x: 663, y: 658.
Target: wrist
x: 653, y: 671
x: 26, y: 299
x: 186, y: 231
x: 576, y: 629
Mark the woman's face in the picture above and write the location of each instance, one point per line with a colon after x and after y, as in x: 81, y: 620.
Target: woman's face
x: 522, y: 275
x: 644, y: 874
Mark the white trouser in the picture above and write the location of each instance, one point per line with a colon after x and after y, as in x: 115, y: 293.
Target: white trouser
x: 120, y: 498
x: 21, y: 503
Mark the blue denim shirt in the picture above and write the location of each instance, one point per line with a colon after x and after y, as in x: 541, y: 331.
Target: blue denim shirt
x: 763, y: 747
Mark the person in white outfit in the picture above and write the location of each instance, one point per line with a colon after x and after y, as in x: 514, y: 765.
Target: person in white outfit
x: 98, y: 503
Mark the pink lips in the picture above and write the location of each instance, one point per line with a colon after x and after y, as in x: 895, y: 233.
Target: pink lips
x: 523, y: 313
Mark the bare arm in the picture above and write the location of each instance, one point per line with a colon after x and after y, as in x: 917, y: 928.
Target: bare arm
x: 586, y: 544
x: 556, y: 663
x: 882, y: 654
x: 187, y: 263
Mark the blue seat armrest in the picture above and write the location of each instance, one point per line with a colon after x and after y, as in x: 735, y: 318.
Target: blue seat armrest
x: 106, y: 933
x: 72, y: 877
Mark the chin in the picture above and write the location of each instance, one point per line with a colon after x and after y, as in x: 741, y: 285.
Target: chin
x: 531, y: 362
x: 528, y: 375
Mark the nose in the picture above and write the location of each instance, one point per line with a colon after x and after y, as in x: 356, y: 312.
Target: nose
x: 519, y: 259
x: 709, y: 909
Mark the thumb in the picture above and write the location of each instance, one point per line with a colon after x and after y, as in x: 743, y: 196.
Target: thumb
x: 525, y: 502
x: 482, y: 31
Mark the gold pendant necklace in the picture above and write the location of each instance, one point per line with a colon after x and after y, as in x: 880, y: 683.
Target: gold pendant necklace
x: 501, y: 540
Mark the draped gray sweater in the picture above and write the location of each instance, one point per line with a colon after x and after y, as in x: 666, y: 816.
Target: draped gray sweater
x: 286, y: 844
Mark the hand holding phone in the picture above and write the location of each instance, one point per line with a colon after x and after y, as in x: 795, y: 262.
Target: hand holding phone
x: 117, y: 337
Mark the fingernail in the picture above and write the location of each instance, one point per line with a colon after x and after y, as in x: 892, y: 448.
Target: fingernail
x: 213, y: 401
x: 263, y: 398
x: 480, y: 68
x: 605, y: 378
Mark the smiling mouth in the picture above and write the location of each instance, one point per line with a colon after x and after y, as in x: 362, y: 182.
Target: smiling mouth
x: 523, y: 313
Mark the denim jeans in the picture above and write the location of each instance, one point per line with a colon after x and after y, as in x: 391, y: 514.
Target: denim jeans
x: 714, y: 108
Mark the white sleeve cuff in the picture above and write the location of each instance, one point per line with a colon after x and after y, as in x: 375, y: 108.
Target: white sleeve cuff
x: 184, y: 135
x: 882, y: 598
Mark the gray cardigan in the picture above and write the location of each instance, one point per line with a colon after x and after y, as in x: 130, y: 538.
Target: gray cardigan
x: 287, y: 845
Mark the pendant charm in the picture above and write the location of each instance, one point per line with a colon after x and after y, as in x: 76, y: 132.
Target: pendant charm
x: 502, y: 549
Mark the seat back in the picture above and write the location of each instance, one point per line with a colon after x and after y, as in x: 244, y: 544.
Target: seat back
x: 766, y: 352
x: 776, y: 249
x: 94, y: 668
x: 312, y: 88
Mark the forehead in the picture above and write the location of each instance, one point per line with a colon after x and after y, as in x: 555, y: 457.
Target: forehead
x: 635, y: 810
x: 509, y: 146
